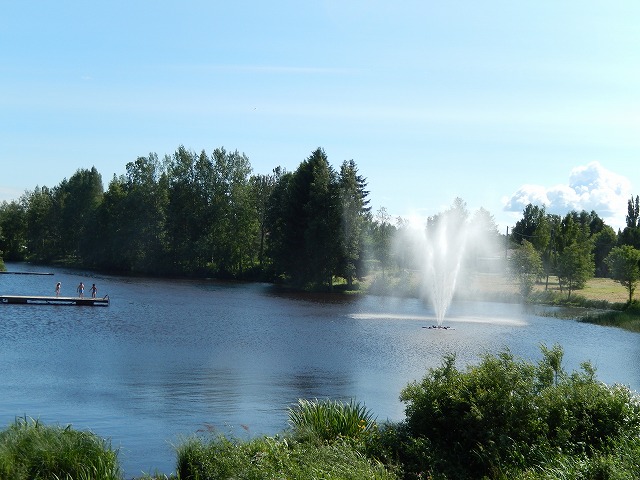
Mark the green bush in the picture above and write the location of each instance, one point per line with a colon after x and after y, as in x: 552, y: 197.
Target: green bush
x: 30, y: 450
x: 507, y: 414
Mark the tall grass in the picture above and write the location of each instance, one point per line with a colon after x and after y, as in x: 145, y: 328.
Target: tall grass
x: 628, y: 318
x: 329, y: 420
x: 30, y: 450
x: 274, y: 457
x: 618, y: 462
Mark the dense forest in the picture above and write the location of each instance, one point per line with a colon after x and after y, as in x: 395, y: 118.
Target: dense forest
x: 192, y: 214
x: 199, y: 214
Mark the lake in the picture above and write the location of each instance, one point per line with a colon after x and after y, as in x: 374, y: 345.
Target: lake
x: 172, y: 358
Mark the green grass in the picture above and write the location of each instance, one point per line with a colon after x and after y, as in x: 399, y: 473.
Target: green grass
x: 30, y: 450
x: 617, y: 462
x: 274, y: 458
x: 327, y: 441
x: 628, y: 318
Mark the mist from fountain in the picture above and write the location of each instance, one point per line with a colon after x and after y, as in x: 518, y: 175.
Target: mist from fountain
x: 437, y: 251
x: 444, y: 245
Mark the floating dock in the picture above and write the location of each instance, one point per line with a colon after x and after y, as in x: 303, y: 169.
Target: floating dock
x: 36, y: 300
x: 26, y: 273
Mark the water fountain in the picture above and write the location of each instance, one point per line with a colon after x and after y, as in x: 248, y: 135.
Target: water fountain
x: 444, y: 245
x: 437, y: 251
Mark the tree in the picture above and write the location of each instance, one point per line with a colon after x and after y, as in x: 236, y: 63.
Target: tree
x: 631, y: 233
x: 234, y: 225
x: 13, y: 226
x: 624, y: 266
x: 549, y: 254
x: 112, y: 248
x: 603, y: 242
x: 41, y: 231
x: 526, y: 267
x: 633, y: 212
x: 281, y: 226
x: 629, y: 236
x: 355, y: 212
x: 261, y: 188
x: 132, y: 219
x: 381, y: 233
x: 304, y: 223
x: 323, y: 212
x: 572, y: 230
x: 507, y: 414
x: 186, y: 217
x: 575, y: 266
x: 525, y: 229
x: 77, y: 202
x: 486, y: 246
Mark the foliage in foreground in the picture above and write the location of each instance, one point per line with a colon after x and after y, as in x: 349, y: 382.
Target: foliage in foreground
x: 275, y: 457
x: 327, y: 441
x: 501, y: 419
x: 30, y: 450
x: 619, y: 461
x: 506, y: 415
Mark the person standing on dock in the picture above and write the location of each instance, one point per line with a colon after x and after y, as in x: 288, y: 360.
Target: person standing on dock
x: 58, y: 285
x: 81, y: 290
x: 94, y: 290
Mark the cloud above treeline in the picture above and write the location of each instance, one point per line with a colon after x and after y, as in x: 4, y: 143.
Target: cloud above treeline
x: 590, y: 187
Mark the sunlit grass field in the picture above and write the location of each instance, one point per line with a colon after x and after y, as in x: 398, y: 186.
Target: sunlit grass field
x: 495, y: 285
x: 595, y: 289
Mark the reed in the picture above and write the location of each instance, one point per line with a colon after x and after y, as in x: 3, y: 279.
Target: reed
x: 329, y: 420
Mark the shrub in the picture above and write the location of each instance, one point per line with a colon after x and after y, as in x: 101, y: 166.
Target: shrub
x: 507, y: 414
x: 30, y: 450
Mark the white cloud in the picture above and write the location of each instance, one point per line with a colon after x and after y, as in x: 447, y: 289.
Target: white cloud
x: 590, y: 187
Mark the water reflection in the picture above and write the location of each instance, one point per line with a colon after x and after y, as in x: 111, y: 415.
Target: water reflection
x: 171, y: 358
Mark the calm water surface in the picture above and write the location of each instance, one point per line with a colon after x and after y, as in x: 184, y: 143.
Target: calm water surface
x: 168, y: 359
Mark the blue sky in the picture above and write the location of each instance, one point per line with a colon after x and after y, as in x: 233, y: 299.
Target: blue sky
x: 497, y: 102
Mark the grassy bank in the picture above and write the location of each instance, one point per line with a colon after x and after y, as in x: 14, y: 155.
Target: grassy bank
x: 605, y: 302
x: 628, y: 318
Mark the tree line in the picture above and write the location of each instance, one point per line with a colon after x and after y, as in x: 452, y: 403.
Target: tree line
x: 209, y: 214
x: 199, y: 214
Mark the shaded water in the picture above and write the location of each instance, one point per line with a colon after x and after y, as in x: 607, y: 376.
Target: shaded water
x: 171, y: 358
